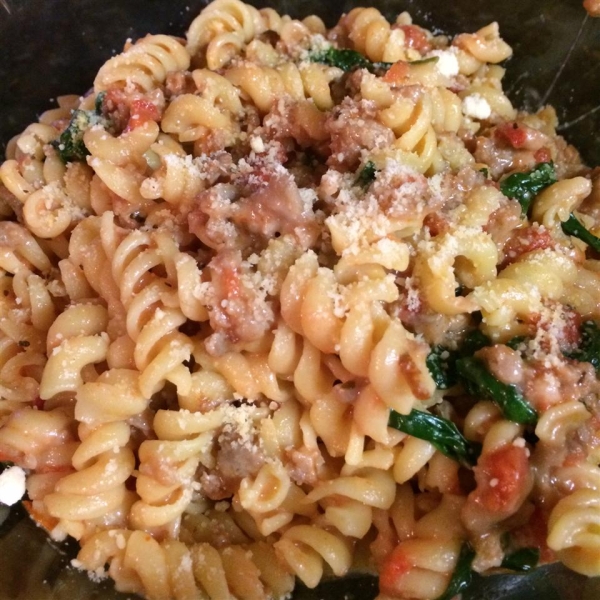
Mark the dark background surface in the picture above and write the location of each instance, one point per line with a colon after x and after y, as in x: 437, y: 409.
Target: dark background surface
x: 54, y: 47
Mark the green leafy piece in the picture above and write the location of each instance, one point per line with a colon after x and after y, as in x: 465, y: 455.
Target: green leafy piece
x: 525, y: 186
x: 463, y: 574
x: 589, y: 349
x: 485, y: 171
x: 474, y: 340
x: 524, y: 559
x: 70, y: 146
x: 572, y: 226
x: 99, y: 102
x: 516, y: 342
x: 421, y: 61
x: 440, y: 432
x: 480, y: 382
x: 367, y: 175
x: 440, y: 362
x: 347, y: 60
x: 342, y: 58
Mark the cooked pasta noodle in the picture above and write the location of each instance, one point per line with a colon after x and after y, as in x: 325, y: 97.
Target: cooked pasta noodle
x: 278, y: 297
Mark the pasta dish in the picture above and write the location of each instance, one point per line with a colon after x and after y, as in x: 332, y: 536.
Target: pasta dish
x: 280, y: 302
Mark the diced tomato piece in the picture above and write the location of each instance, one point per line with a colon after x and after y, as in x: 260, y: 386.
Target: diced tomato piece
x: 394, y: 567
x: 437, y: 223
x: 526, y: 239
x: 397, y: 73
x: 142, y: 111
x: 231, y: 283
x: 569, y: 335
x: 113, y: 98
x: 416, y: 38
x: 542, y: 155
x: 500, y: 477
x: 513, y: 133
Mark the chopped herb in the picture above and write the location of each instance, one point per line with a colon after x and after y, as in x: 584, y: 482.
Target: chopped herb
x: 441, y: 433
x: 480, y: 382
x: 573, y: 227
x: 441, y: 361
x: 524, y: 559
x: 589, y: 349
x: 485, y: 171
x: 516, y: 342
x: 474, y: 340
x: 367, y: 175
x: 69, y: 145
x: 422, y: 61
x: 525, y: 186
x: 462, y: 576
x: 342, y: 58
x: 347, y: 60
x: 99, y: 102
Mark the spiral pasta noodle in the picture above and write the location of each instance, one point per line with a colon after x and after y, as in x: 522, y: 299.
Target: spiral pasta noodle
x: 143, y: 64
x: 265, y: 85
x: 277, y: 297
x: 372, y: 35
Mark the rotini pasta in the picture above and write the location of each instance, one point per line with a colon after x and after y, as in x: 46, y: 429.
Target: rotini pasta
x: 276, y: 298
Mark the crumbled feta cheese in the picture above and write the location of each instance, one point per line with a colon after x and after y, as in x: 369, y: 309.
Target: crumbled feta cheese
x: 476, y: 106
x: 447, y: 63
x: 12, y: 485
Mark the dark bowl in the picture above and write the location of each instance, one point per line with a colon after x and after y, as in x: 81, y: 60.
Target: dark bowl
x: 54, y: 47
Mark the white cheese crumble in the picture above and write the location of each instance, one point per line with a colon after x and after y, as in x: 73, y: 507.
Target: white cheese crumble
x: 476, y: 106
x: 12, y: 485
x: 447, y: 63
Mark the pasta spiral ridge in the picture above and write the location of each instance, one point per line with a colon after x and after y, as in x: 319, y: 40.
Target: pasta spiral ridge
x: 96, y: 490
x: 265, y: 85
x: 304, y: 548
x: 153, y: 315
x: 223, y: 23
x: 168, y: 466
x: 144, y: 64
x: 373, y: 36
x: 258, y: 296
x: 202, y: 570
